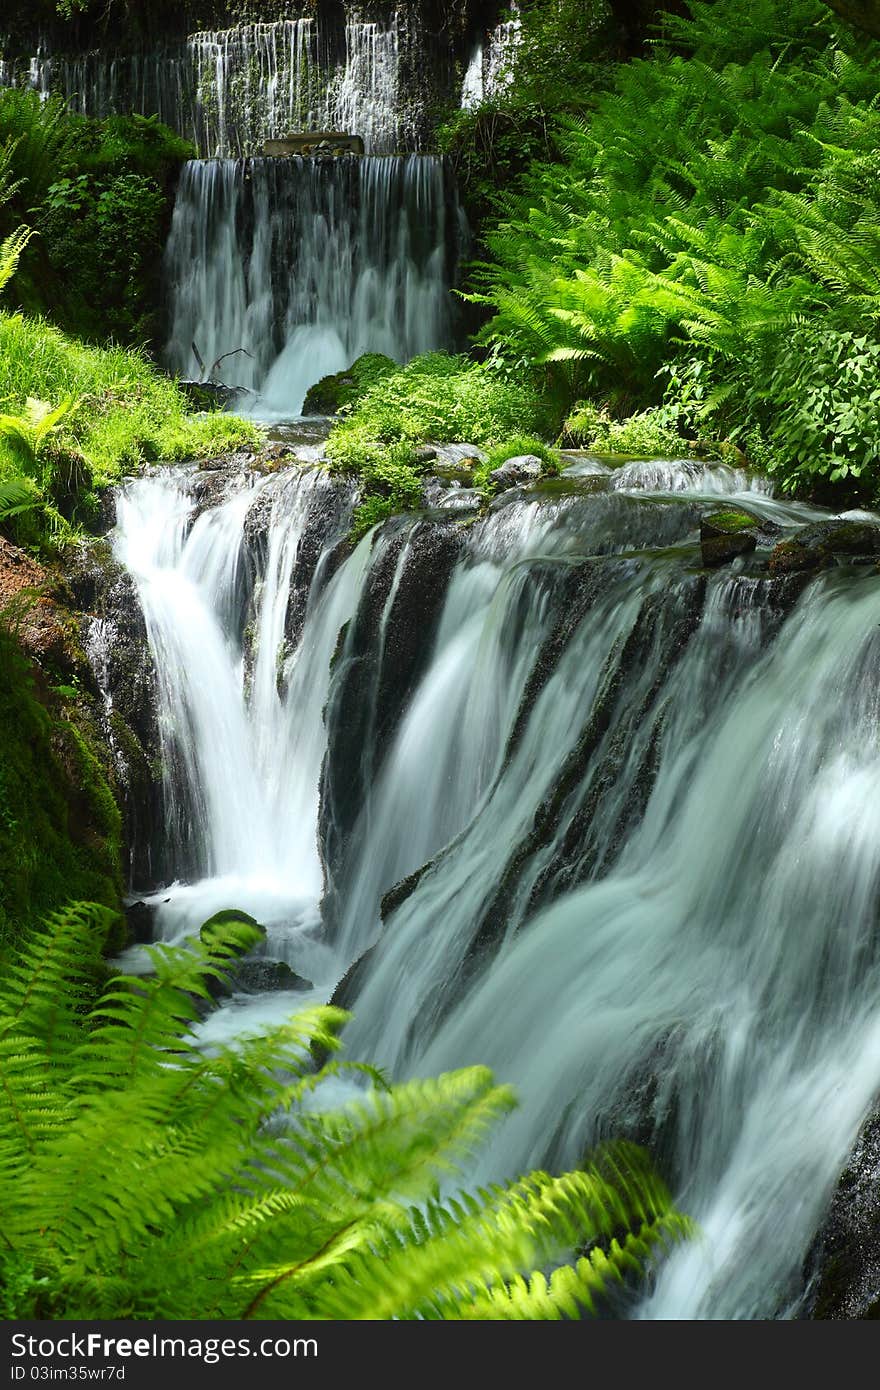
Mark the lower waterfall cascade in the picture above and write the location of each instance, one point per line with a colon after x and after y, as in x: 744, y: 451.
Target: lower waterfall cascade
x: 306, y: 264
x: 619, y: 808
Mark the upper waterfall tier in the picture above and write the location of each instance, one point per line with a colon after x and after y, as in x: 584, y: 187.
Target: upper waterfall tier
x: 306, y: 264
x: 228, y: 90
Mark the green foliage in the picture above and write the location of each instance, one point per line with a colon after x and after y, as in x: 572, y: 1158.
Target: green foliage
x: 719, y: 203
x: 17, y: 496
x: 591, y: 427
x: 10, y: 253
x: 438, y: 398
x: 29, y: 432
x: 128, y: 413
x: 60, y: 831
x: 142, y: 1178
x: 819, y: 405
x: 98, y: 195
x: 556, y: 65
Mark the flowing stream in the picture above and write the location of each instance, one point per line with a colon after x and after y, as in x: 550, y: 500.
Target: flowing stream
x: 298, y: 266
x: 646, y: 795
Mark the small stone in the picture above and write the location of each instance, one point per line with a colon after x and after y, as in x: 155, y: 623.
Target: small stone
x: 524, y: 468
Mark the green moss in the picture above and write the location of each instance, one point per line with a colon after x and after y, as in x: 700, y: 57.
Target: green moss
x: 731, y: 521
x: 60, y: 828
x: 342, y: 389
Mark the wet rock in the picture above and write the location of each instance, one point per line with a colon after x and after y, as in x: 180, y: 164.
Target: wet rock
x: 323, y: 546
x: 268, y: 976
x: 423, y: 454
x: 114, y: 636
x: 843, y: 1267
x: 350, y: 985
x: 726, y: 534
x: 524, y: 468
x: 457, y: 463
x: 141, y: 920
x: 377, y: 666
x: 826, y: 543
x: 451, y: 496
x: 209, y: 395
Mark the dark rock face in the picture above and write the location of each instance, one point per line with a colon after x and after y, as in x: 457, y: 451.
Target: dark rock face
x: 317, y: 557
x: 826, y: 543
x: 381, y: 657
x: 115, y: 636
x: 843, y: 1268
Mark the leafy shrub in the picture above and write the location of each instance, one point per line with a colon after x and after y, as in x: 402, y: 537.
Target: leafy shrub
x: 721, y: 199
x: 437, y: 397
x: 519, y: 445
x: 440, y: 398
x: 142, y: 1178
x: 98, y: 193
x: 644, y: 433
x: 821, y: 398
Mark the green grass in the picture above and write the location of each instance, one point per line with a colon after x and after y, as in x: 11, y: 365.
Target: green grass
x: 438, y: 398
x: 127, y: 414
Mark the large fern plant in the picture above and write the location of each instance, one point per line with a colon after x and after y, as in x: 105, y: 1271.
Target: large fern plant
x: 144, y: 1177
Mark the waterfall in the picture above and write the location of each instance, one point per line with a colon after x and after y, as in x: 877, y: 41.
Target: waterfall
x: 636, y: 801
x: 488, y: 72
x: 306, y: 264
x: 229, y: 90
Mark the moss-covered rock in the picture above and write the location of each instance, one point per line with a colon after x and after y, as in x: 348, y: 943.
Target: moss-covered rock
x: 727, y: 533
x: 331, y: 393
x: 60, y: 827
x: 826, y: 543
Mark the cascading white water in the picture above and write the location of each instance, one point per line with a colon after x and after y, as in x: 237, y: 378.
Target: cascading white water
x: 242, y: 789
x: 229, y: 90
x: 490, y: 68
x: 306, y: 264
x: 649, y: 793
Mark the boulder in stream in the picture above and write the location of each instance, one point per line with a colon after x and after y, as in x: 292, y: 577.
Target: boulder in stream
x: 523, y: 468
x: 727, y: 533
x: 826, y: 543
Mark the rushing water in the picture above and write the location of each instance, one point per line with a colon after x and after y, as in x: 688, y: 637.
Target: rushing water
x: 647, y: 796
x: 490, y: 67
x: 230, y: 90
x: 305, y: 264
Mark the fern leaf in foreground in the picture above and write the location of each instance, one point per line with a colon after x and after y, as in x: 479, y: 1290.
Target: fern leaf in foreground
x: 143, y: 1177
